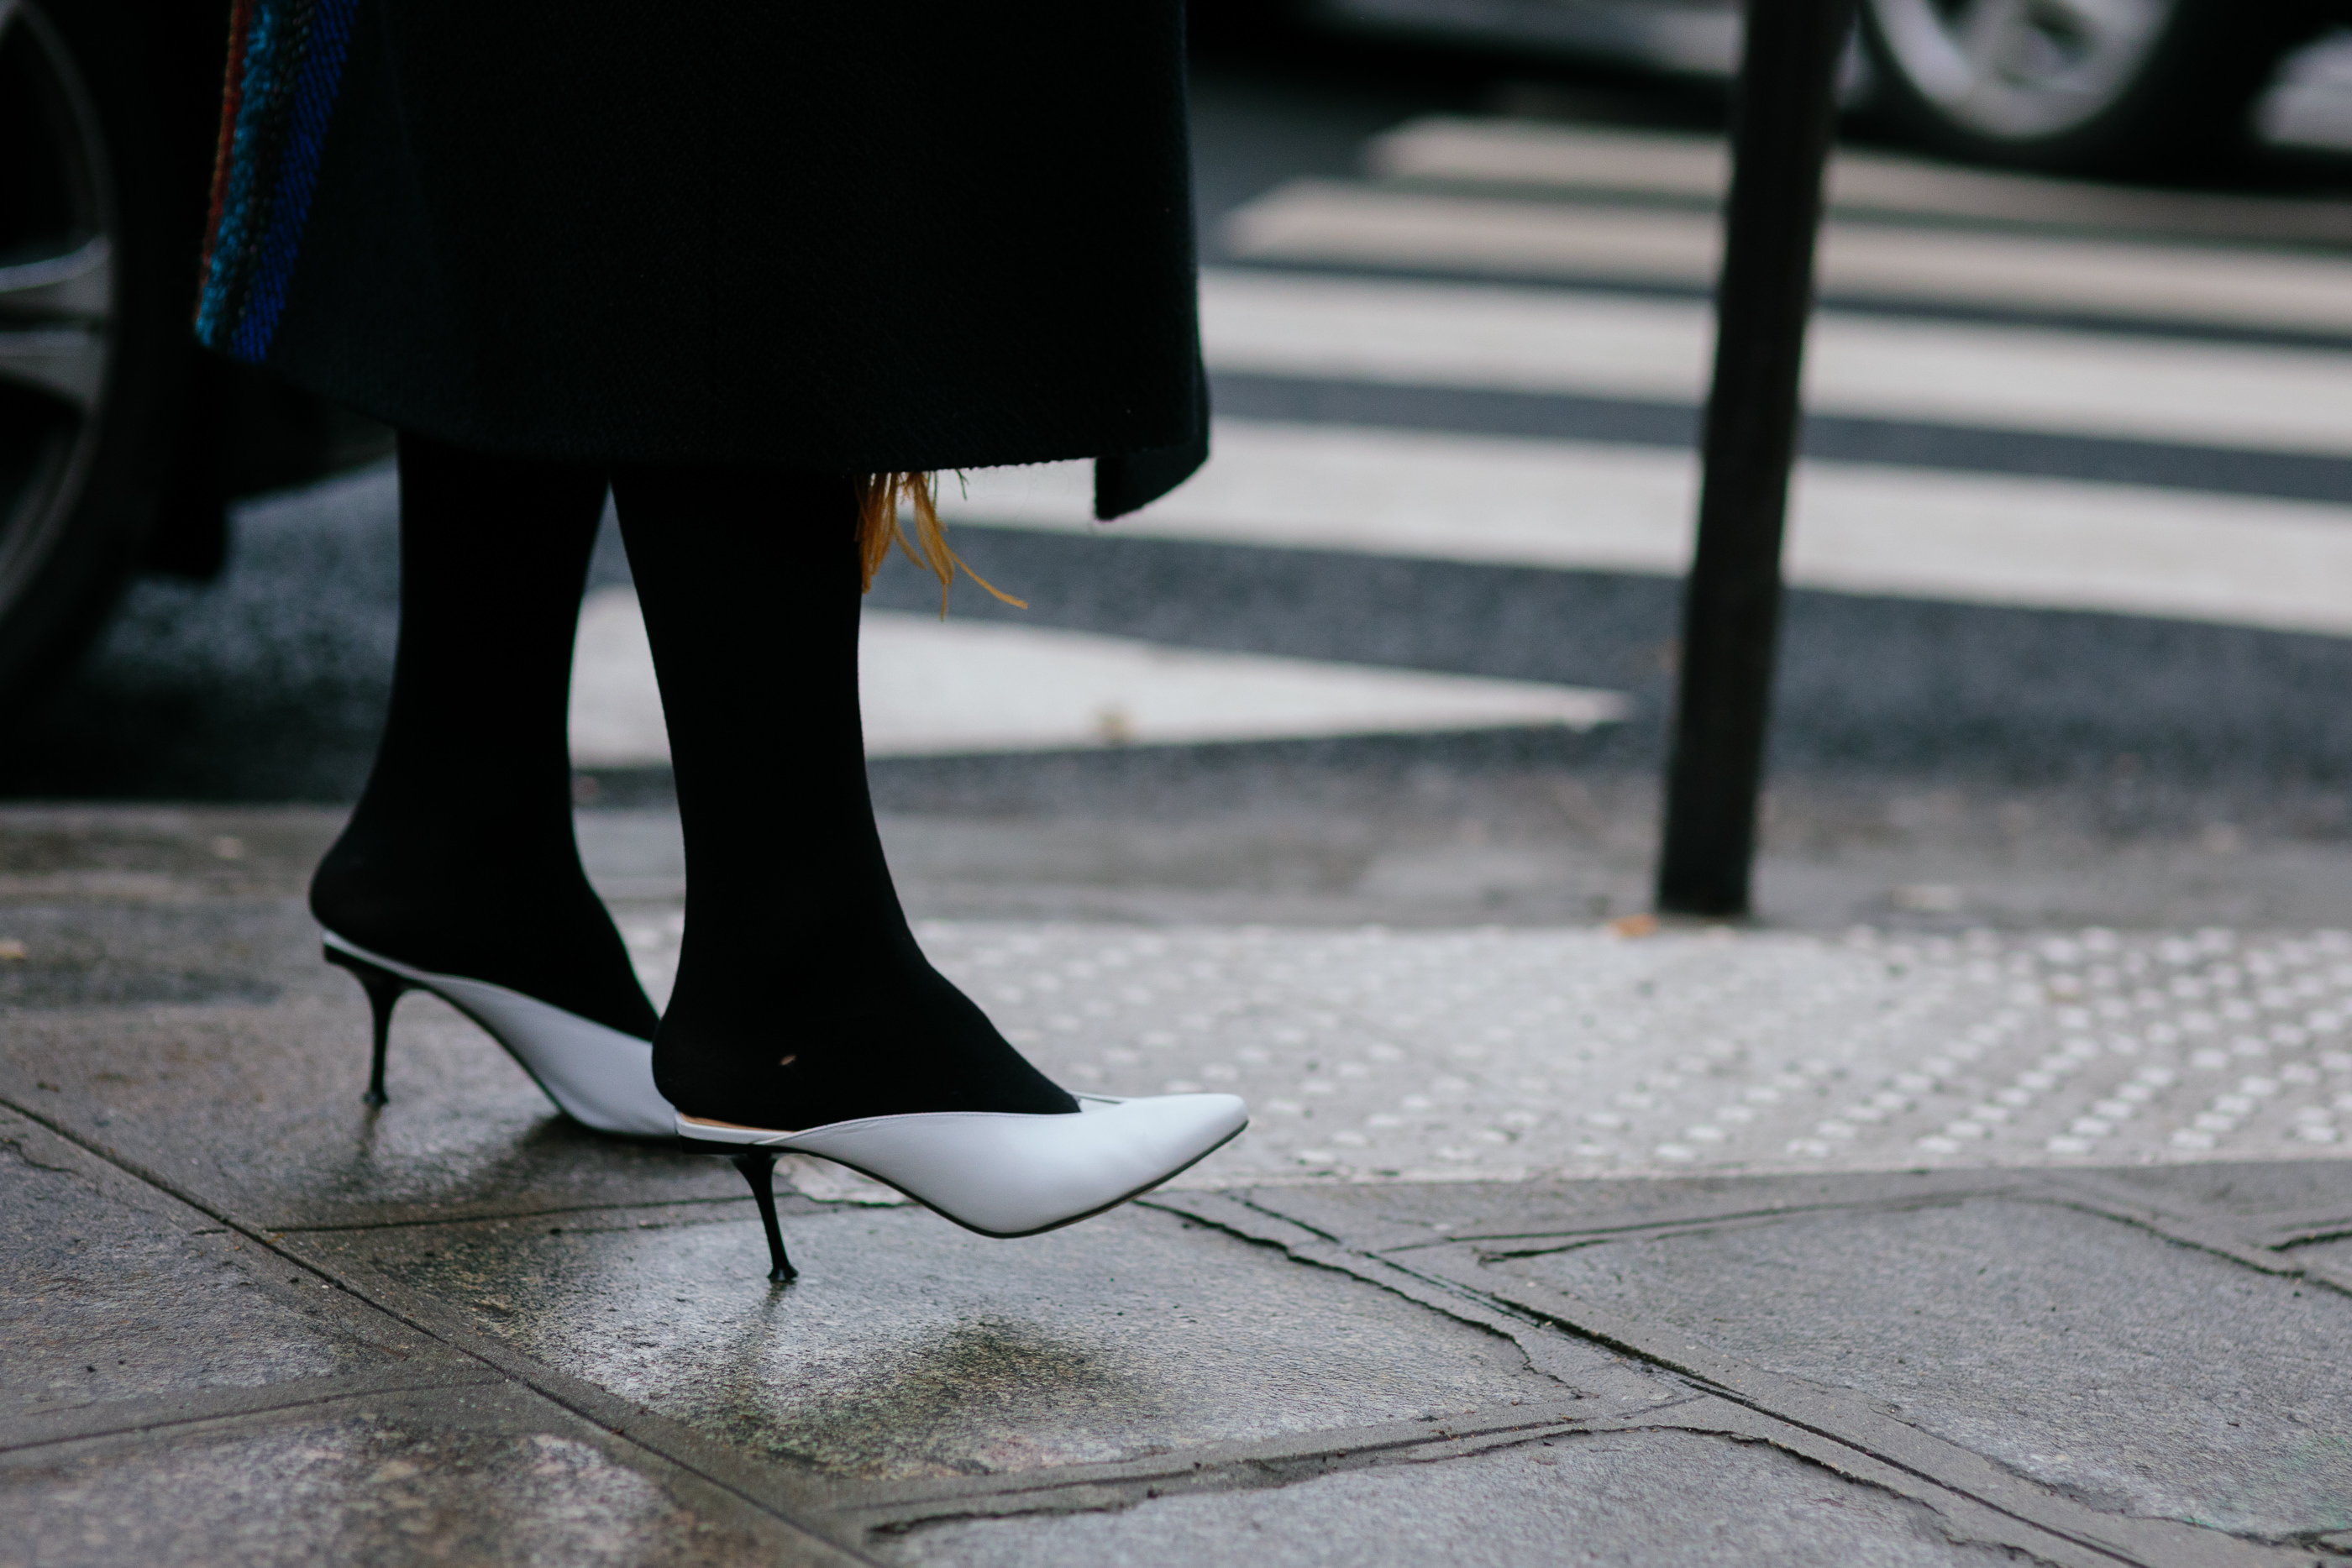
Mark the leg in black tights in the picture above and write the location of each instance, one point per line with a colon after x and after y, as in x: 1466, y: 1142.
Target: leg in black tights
x: 459, y: 858
x: 802, y: 996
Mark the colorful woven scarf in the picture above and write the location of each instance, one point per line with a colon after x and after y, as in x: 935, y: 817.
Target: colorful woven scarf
x: 285, y: 64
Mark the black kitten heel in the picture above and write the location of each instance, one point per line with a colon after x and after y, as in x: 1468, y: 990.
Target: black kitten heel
x: 759, y: 1168
x: 383, y: 989
x: 596, y: 1075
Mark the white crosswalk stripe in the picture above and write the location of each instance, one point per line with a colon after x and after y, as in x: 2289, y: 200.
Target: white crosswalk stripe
x: 1336, y: 223
x: 1979, y: 375
x: 930, y: 688
x: 1656, y: 164
x: 1856, y: 527
x: 1493, y: 210
x: 1585, y: 203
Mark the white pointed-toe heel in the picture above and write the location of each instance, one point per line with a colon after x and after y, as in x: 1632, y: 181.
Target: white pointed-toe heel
x: 596, y: 1075
x: 998, y: 1173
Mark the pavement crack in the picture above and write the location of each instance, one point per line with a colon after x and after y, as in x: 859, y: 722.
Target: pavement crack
x: 1578, y: 1235
x: 417, y: 1222
x: 2204, y: 1233
x: 17, y: 1147
x: 1949, y: 1518
x: 117, y: 1418
x: 2304, y: 1235
x: 1256, y: 1208
x: 1488, y: 1256
x: 1434, y: 1293
x: 1252, y: 1466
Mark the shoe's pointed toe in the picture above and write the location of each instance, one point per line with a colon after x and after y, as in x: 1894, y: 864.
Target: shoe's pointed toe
x: 1008, y: 1175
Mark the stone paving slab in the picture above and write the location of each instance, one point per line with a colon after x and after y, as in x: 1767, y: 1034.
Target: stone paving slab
x: 174, y: 1390
x: 911, y: 1348
x: 2136, y: 1376
x: 260, y: 1107
x: 1646, y: 1498
x: 2143, y: 1361
x: 111, y: 1292
x: 157, y: 953
x: 392, y: 1480
x: 1853, y: 1432
x: 77, y: 855
x: 2297, y: 1196
x: 2336, y: 1254
x: 181, y: 1389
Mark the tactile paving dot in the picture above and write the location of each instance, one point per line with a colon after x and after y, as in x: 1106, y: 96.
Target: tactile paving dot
x: 1376, y: 1054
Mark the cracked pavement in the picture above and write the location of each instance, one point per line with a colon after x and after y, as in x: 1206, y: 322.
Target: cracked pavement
x: 251, y: 1319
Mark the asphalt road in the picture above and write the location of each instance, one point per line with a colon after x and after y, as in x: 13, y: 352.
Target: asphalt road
x: 2064, y: 697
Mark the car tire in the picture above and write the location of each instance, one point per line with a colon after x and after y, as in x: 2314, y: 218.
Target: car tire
x: 2165, y: 87
x: 95, y: 282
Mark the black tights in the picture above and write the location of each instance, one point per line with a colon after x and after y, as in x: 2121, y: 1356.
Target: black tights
x: 802, y: 996
x: 459, y: 857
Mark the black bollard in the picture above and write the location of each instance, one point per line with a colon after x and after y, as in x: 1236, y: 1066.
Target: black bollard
x: 1782, y: 114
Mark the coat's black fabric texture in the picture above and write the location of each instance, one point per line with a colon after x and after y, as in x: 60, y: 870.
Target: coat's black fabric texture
x: 860, y: 235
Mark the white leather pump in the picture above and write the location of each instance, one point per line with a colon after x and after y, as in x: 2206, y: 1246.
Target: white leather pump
x: 596, y: 1075
x: 998, y: 1173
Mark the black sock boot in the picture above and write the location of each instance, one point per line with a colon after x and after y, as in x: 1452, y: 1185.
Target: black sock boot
x: 802, y: 996
x: 459, y: 858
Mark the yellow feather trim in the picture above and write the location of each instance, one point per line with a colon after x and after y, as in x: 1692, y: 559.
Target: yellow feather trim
x: 881, y: 498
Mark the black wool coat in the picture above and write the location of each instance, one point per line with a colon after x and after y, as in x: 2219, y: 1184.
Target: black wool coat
x: 854, y: 235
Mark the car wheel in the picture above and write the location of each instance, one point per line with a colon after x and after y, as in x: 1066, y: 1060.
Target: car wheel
x: 2086, y: 86
x: 94, y: 288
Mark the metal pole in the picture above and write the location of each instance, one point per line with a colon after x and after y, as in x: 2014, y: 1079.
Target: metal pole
x: 1781, y: 118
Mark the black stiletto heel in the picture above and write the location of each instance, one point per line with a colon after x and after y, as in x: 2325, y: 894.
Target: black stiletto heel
x: 597, y: 1075
x: 383, y: 988
x: 759, y: 1168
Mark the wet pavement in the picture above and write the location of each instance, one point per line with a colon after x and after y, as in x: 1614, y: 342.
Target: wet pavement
x: 1986, y: 1200
x: 1472, y: 1288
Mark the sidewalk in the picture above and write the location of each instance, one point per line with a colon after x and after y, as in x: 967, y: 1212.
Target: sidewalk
x: 1549, y: 1243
